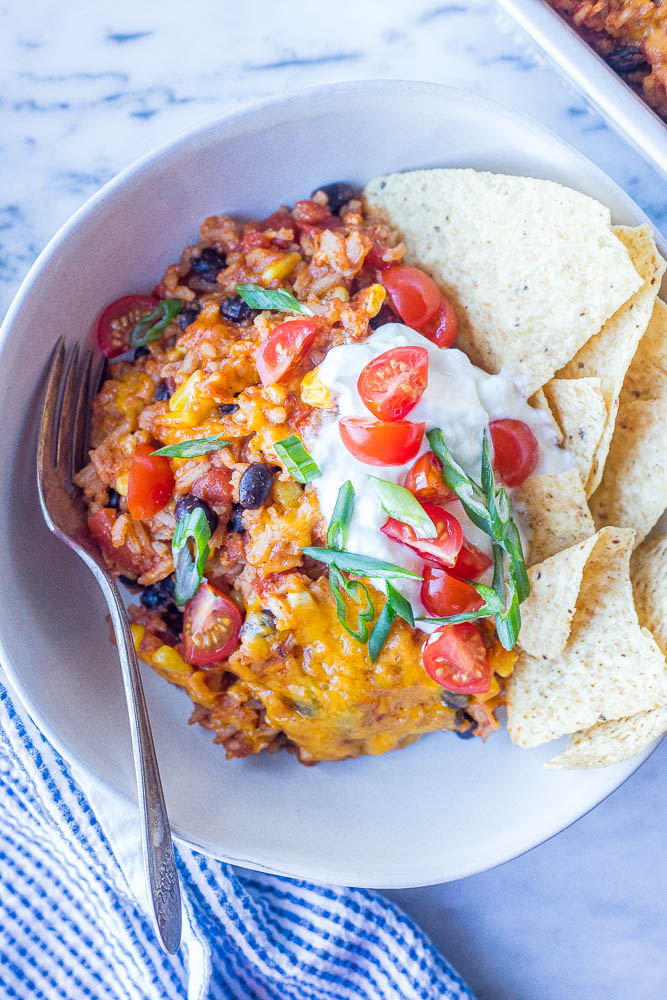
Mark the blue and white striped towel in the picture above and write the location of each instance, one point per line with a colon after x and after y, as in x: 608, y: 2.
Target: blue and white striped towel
x: 71, y: 926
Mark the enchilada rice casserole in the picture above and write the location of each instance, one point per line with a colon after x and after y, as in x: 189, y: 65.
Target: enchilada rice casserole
x: 328, y: 512
x: 631, y: 35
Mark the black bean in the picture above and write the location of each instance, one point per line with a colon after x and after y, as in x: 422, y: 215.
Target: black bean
x: 161, y: 392
x: 189, y: 503
x: 462, y: 717
x: 173, y: 619
x: 627, y: 59
x: 188, y: 314
x: 255, y: 485
x: 338, y: 194
x: 208, y: 264
x: 131, y: 584
x: 140, y: 352
x: 236, y: 521
x: 454, y: 700
x: 386, y: 315
x: 228, y: 408
x: 467, y: 734
x: 113, y: 499
x: 159, y: 594
x: 236, y: 310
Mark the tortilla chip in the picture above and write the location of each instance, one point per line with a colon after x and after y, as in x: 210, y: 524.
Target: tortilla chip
x: 608, y: 667
x: 579, y: 408
x: 648, y: 571
x: 540, y: 402
x: 532, y: 267
x: 546, y: 616
x: 633, y: 490
x: 611, y: 742
x: 555, y: 514
x: 608, y: 354
x: 647, y: 375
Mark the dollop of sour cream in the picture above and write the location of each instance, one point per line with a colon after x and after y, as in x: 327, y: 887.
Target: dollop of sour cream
x: 460, y: 398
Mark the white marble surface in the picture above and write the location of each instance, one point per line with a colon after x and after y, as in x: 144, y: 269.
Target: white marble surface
x: 84, y: 89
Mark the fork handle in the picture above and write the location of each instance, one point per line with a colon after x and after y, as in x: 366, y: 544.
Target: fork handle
x: 157, y: 848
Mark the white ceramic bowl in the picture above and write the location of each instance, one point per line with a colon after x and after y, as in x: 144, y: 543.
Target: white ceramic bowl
x: 433, y: 812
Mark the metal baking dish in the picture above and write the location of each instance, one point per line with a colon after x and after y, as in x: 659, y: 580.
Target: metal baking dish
x: 614, y: 99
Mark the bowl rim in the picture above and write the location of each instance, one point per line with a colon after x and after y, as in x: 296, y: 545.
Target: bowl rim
x: 304, y: 96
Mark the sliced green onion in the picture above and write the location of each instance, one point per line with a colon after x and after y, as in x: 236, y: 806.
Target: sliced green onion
x: 272, y: 298
x: 395, y: 605
x: 194, y: 448
x: 341, y: 517
x: 401, y: 504
x: 190, y: 569
x: 400, y: 605
x: 151, y: 326
x: 380, y: 632
x: 466, y: 616
x: 488, y: 506
x: 296, y: 459
x: 359, y: 596
x: 360, y: 565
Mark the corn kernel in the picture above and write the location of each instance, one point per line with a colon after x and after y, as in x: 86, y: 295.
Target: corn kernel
x: 184, y: 397
x: 314, y: 392
x: 340, y: 292
x: 494, y: 689
x: 374, y: 297
x: 169, y: 659
x: 120, y: 485
x: 282, y: 267
x: 502, y: 660
x: 138, y: 633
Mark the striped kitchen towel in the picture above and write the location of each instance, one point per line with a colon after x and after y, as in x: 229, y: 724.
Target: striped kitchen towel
x: 71, y: 925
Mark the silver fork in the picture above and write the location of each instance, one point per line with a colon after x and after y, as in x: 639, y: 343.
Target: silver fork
x: 60, y: 453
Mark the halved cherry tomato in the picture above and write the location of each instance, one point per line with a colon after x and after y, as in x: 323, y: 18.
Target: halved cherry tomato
x: 283, y: 347
x: 117, y: 320
x: 455, y: 658
x: 414, y: 293
x: 211, y: 626
x: 439, y: 551
x: 515, y: 450
x: 425, y: 481
x: 442, y: 329
x: 443, y: 595
x: 471, y: 562
x: 151, y: 482
x: 122, y: 557
x: 377, y: 442
x: 392, y: 384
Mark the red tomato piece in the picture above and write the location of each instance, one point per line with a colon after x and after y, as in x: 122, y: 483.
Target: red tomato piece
x: 443, y: 595
x: 116, y: 322
x: 151, y: 482
x: 215, y: 487
x: 414, y: 293
x: 100, y: 526
x: 211, y: 626
x: 392, y: 384
x: 442, y: 329
x: 378, y: 442
x: 455, y: 658
x: 425, y: 481
x: 515, y: 450
x: 471, y: 562
x: 439, y: 551
x: 283, y: 347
